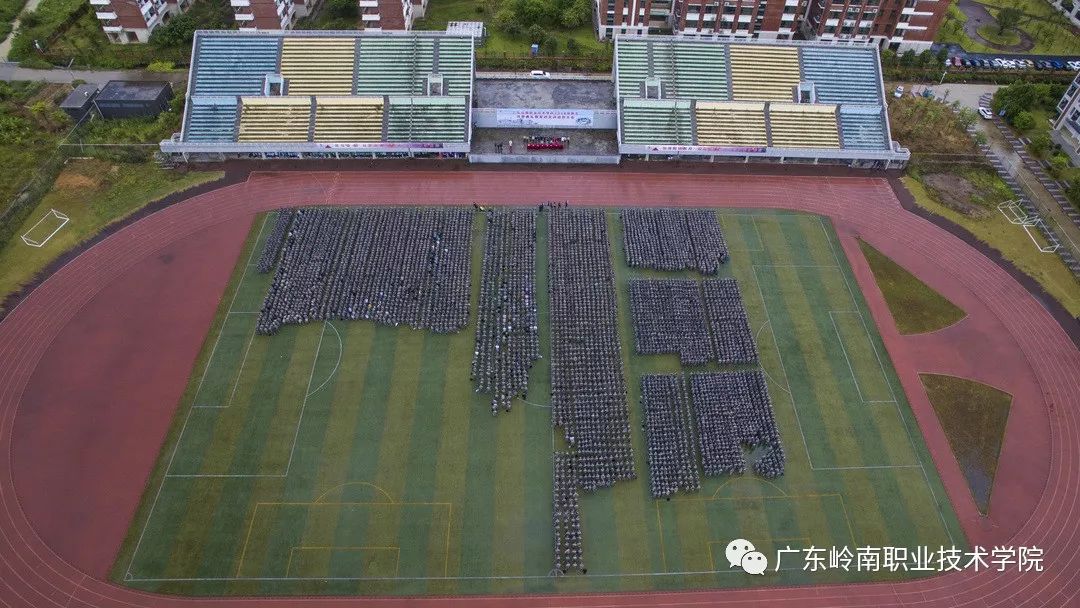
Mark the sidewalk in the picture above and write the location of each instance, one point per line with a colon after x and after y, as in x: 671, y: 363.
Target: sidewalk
x: 12, y: 71
x: 552, y: 76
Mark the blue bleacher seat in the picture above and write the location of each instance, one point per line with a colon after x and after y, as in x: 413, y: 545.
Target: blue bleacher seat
x: 862, y: 128
x: 842, y: 75
x: 211, y: 119
x: 234, y: 65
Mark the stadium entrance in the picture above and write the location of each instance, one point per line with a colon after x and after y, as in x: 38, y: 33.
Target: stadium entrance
x: 566, y: 120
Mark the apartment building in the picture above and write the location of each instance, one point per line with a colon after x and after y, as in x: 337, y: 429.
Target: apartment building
x: 253, y: 15
x: 900, y: 25
x: 125, y: 21
x: 896, y: 24
x: 1066, y: 131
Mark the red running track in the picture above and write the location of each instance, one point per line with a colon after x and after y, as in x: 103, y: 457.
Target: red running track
x: 1008, y: 340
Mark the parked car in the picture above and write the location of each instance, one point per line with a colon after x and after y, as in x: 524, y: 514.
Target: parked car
x: 1074, y: 65
x: 1058, y: 65
x: 997, y: 63
x: 539, y: 74
x: 985, y: 64
x: 898, y: 92
x: 956, y: 62
x: 985, y: 113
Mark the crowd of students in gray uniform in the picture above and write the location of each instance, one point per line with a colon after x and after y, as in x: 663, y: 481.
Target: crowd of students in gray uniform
x: 507, y: 340
x: 668, y: 435
x: 566, y: 515
x: 395, y: 266
x: 669, y: 317
x: 733, y: 341
x: 588, y: 398
x: 673, y: 239
x: 733, y: 409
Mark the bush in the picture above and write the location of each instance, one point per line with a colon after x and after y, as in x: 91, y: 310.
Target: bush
x: 161, y: 66
x: 573, y: 47
x: 1023, y: 120
x: 1040, y: 143
x: 537, y: 34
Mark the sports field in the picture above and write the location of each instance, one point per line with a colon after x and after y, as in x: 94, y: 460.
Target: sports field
x: 350, y: 458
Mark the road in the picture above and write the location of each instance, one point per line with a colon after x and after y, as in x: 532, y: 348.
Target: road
x: 12, y: 71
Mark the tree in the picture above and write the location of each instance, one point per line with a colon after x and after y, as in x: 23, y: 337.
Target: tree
x: 1023, y: 120
x: 1040, y: 143
x: 550, y: 46
x: 967, y: 118
x: 1008, y: 18
x: 342, y: 9
x: 536, y: 34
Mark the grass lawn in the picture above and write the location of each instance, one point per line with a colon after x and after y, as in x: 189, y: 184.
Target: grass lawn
x: 952, y: 32
x: 440, y: 12
x: 1006, y: 38
x: 94, y: 194
x: 353, y: 458
x: 915, y: 307
x: 1013, y: 243
x: 973, y: 416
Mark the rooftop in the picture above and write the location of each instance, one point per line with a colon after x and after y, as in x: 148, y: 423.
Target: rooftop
x: 715, y: 95
x: 296, y: 86
x: 131, y: 90
x: 79, y: 97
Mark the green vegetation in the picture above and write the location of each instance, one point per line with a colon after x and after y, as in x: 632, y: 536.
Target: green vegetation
x: 394, y: 449
x: 1050, y: 30
x: 30, y: 128
x: 9, y: 10
x: 94, y: 194
x: 915, y: 307
x: 996, y: 36
x: 929, y: 126
x: 514, y: 25
x: 973, y: 416
x: 1012, y: 241
x: 68, y: 31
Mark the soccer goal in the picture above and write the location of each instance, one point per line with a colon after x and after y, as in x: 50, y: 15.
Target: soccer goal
x: 45, y: 228
x: 1016, y: 214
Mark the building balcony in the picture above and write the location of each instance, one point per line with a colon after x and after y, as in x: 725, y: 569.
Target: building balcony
x: 244, y: 17
x: 369, y: 3
x: 112, y: 29
x: 100, y: 2
x: 105, y: 16
x: 239, y: 3
x: 369, y: 18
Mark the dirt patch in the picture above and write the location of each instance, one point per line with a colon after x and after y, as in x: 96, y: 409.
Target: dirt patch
x: 73, y: 180
x: 954, y: 191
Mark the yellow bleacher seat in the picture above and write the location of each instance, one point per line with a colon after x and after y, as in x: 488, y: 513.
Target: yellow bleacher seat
x: 763, y: 73
x: 318, y: 66
x: 795, y: 125
x: 730, y: 123
x: 274, y: 118
x: 342, y: 119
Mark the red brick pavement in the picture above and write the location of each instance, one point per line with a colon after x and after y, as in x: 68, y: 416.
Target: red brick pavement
x: 1007, y: 340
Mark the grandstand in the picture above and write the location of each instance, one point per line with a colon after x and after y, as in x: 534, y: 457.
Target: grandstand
x: 715, y: 98
x: 326, y: 94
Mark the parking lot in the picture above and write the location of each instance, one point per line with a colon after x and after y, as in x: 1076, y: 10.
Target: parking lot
x: 507, y: 93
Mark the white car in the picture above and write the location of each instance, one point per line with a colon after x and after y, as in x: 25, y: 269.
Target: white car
x: 986, y: 113
x: 898, y: 92
x: 539, y: 74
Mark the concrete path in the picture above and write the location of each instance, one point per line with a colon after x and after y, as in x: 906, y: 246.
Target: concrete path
x: 12, y: 71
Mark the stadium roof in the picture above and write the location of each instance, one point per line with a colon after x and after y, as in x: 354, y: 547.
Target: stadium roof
x: 308, y: 91
x: 717, y: 96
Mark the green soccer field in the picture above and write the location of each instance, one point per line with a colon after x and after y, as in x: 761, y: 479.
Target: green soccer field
x: 349, y: 458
